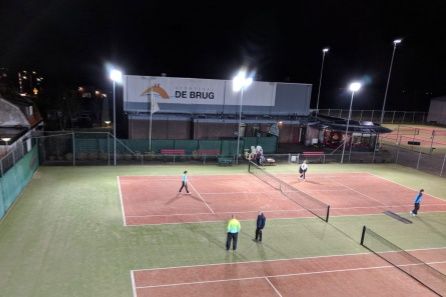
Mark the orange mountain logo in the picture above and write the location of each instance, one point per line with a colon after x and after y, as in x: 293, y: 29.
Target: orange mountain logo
x: 156, y: 89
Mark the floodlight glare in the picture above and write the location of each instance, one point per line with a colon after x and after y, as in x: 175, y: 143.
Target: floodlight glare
x: 116, y: 75
x: 354, y: 87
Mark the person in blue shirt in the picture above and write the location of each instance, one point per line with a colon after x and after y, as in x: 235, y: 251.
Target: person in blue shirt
x: 417, y: 202
x: 261, y: 220
x: 184, y: 182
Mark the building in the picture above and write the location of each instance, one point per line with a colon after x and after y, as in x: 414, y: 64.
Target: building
x: 189, y: 108
x: 437, y: 111
x: 19, y: 117
x: 30, y: 83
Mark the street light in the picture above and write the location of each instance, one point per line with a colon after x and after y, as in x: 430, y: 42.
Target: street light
x: 239, y: 83
x: 354, y: 87
x: 395, y: 43
x: 116, y: 77
x: 324, y: 51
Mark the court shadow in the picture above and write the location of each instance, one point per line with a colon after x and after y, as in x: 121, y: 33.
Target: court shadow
x: 312, y: 182
x: 179, y: 196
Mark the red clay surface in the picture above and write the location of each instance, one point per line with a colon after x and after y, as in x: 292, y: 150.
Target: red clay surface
x: 155, y: 199
x: 331, y: 276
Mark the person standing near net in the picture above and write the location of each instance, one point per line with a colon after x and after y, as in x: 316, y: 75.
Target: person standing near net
x: 417, y: 202
x: 261, y: 220
x: 232, y: 229
x: 184, y: 182
x: 303, y: 169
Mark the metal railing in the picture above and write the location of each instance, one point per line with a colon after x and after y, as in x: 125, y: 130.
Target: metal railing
x: 13, y: 154
x: 390, y: 116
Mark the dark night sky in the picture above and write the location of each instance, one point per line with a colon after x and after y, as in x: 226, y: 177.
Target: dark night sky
x: 70, y: 41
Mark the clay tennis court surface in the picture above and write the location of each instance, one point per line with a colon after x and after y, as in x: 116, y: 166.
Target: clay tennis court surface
x: 155, y: 199
x: 333, y: 276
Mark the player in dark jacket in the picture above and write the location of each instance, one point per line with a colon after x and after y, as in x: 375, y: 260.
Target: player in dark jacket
x: 261, y: 220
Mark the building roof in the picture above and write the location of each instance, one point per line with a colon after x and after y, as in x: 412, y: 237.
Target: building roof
x: 340, y: 124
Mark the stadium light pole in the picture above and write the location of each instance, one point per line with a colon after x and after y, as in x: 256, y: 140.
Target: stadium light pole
x: 324, y: 51
x: 395, y: 43
x: 354, y: 87
x: 239, y: 83
x: 116, y: 77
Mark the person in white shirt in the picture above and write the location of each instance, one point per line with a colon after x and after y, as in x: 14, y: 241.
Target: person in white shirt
x: 184, y: 182
x: 302, y: 169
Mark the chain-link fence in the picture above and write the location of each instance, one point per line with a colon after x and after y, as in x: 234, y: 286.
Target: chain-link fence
x: 76, y: 148
x: 416, y: 158
x: 393, y: 117
x: 98, y: 148
x: 14, y: 154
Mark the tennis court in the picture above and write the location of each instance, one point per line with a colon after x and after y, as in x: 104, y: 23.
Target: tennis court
x: 69, y: 233
x: 430, y: 139
x: 341, y: 275
x: 155, y: 199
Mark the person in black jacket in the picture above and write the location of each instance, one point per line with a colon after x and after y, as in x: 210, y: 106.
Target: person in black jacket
x: 261, y: 220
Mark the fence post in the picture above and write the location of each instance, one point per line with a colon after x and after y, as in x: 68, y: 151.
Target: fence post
x: 73, y: 139
x: 340, y: 113
x: 442, y: 166
x: 397, y: 152
x: 393, y: 116
x: 432, y: 141
x: 413, y: 117
x: 404, y: 116
x: 419, y: 157
x: 371, y: 118
x: 108, y: 149
x: 289, y: 158
x: 374, y: 149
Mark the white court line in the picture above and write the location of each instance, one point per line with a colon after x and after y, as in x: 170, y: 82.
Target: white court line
x: 190, y: 176
x: 132, y: 278
x: 242, y: 192
x: 220, y: 221
x: 442, y: 199
x: 216, y: 213
x: 360, y: 193
x: 122, y: 203
x: 398, y: 205
x: 370, y: 214
x: 278, y: 260
x: 199, y: 195
x: 274, y: 288
x: 327, y: 190
x: 288, y: 275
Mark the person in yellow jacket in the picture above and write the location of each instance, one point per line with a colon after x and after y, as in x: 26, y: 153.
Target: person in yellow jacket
x: 232, y: 229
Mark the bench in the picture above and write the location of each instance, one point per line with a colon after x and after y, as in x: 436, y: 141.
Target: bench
x: 320, y: 155
x: 172, y: 152
x: 225, y: 161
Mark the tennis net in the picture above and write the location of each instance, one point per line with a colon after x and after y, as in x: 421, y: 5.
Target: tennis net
x: 422, y: 272
x: 313, y: 205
